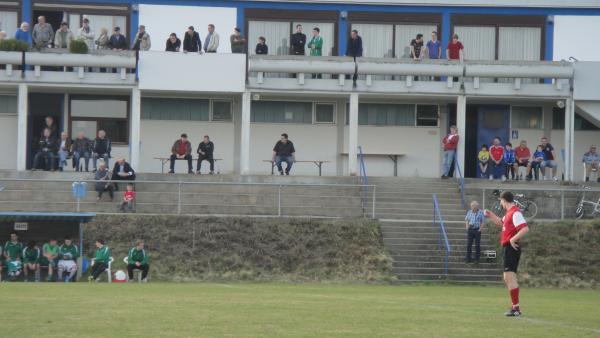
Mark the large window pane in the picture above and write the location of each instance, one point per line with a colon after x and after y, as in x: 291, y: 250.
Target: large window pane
x: 324, y: 113
x: 99, y: 108
x: 526, y: 117
x: 8, y: 23
x: 221, y: 111
x: 377, y: 39
x: 277, y: 35
x: 379, y: 114
x: 8, y: 104
x: 115, y: 129
x: 405, y: 33
x: 427, y: 115
x: 281, y: 112
x: 479, y: 42
x: 519, y: 43
x: 175, y: 109
x: 89, y: 128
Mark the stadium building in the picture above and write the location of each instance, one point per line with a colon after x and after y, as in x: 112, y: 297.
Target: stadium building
x: 518, y: 82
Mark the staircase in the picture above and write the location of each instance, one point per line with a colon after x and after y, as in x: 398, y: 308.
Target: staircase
x: 405, y: 209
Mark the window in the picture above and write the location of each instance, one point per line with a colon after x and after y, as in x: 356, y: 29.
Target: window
x: 526, y: 117
x: 493, y: 119
x: 90, y: 114
x: 175, y: 109
x: 324, y: 113
x: 384, y: 114
x: 281, y: 112
x: 427, y: 115
x: 8, y: 105
x: 221, y: 110
x: 558, y: 121
x: 9, y: 23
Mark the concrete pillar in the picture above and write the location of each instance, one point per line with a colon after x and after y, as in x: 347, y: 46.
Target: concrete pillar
x: 245, y: 134
x: 134, y: 135
x: 461, y: 124
x: 22, y: 110
x: 569, y: 138
x: 353, y: 135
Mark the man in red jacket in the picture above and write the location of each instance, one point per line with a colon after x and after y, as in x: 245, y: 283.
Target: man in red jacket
x: 497, y: 160
x: 450, y: 143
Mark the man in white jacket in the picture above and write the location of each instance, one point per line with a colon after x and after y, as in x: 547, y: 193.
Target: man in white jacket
x: 87, y: 34
x: 211, y: 43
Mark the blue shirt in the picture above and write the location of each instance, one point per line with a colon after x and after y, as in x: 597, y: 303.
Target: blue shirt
x: 206, y: 41
x: 433, y: 49
x: 509, y: 156
x: 539, y: 154
x: 475, y: 219
x: 23, y: 36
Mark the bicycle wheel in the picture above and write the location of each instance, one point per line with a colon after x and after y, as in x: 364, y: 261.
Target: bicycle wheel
x: 497, y: 209
x: 531, y: 210
x: 580, y: 210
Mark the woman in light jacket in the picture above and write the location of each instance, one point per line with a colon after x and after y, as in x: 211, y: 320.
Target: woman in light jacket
x: 102, y: 41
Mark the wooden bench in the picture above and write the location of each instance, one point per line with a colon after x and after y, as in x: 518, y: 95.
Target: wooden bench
x: 318, y: 163
x: 392, y: 156
x: 164, y: 160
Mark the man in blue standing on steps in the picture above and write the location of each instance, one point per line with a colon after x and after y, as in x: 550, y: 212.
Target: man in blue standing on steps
x: 474, y: 223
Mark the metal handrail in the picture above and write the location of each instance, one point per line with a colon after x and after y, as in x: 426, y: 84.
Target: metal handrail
x: 364, y: 180
x: 437, y: 215
x: 461, y: 181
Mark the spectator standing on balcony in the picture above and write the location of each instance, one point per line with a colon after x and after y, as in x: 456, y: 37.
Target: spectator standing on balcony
x: 63, y: 36
x: 450, y: 143
x: 474, y: 223
x: 205, y: 151
x: 142, y: 39
x: 191, y: 41
x: 42, y: 34
x: 592, y: 163
x: 497, y: 160
x: 316, y: 46
x: 117, y: 40
x: 238, y: 43
x: 298, y: 41
x: 122, y: 171
x: 355, y: 46
x: 103, y: 41
x: 173, y: 43
x: 261, y: 46
x: 522, y: 155
x: 455, y: 49
x: 87, y: 34
x: 284, y: 151
x: 46, y: 154
x: 550, y: 161
x: 101, y: 148
x: 64, y: 149
x: 416, y: 45
x: 23, y: 34
x: 434, y: 47
x: 181, y: 150
x: 211, y: 43
x: 102, y: 178
x: 79, y: 149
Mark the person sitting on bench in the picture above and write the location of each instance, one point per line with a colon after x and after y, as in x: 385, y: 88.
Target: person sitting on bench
x: 50, y: 257
x: 181, y: 150
x: 67, y: 259
x: 46, y: 153
x: 31, y: 261
x: 122, y: 172
x: 102, y: 178
x: 100, y: 261
x: 137, y: 260
x: 284, y: 152
x: 81, y: 148
x: 205, y: 151
x: 101, y: 148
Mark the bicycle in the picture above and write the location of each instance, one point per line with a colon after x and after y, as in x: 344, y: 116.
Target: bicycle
x: 527, y: 206
x: 580, y: 210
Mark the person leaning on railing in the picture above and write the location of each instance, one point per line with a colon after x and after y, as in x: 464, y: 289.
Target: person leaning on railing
x: 102, y: 42
x: 238, y: 43
x: 43, y: 34
x: 63, y: 36
x: 87, y: 34
x: 23, y: 34
x: 142, y: 39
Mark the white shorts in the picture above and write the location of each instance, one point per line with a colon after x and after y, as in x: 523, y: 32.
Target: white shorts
x: 67, y: 265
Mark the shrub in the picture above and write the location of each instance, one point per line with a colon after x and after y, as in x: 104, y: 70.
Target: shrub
x: 13, y: 45
x: 78, y: 47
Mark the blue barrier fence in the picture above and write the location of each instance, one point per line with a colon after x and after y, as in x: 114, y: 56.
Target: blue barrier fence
x: 461, y: 181
x: 443, y: 240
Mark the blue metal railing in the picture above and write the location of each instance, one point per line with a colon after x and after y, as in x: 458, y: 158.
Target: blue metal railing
x: 461, y: 180
x: 364, y: 180
x: 443, y: 242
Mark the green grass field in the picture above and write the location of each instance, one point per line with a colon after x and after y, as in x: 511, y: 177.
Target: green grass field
x: 306, y: 310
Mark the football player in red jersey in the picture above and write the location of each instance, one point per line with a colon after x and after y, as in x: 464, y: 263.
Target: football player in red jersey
x: 514, y: 227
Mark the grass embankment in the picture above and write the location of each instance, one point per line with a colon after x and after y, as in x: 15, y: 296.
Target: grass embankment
x: 231, y: 249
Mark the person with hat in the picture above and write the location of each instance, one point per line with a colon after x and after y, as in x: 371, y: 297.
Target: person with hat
x: 117, y: 40
x: 238, y: 43
x: 181, y: 150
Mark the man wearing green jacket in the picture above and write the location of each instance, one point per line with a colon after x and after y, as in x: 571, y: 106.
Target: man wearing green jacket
x: 67, y: 259
x: 137, y: 260
x: 13, y: 250
x: 31, y: 260
x: 50, y: 257
x: 316, y: 46
x: 100, y: 260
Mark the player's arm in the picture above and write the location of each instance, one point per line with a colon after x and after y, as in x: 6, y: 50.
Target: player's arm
x: 493, y: 217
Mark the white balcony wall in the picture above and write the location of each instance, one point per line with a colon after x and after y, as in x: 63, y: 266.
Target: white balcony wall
x: 162, y: 20
x: 573, y: 36
x: 191, y: 72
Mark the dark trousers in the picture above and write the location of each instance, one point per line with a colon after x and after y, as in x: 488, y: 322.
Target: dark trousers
x: 497, y: 170
x: 208, y: 158
x: 119, y: 178
x: 143, y: 268
x: 186, y: 157
x: 110, y: 188
x: 473, y: 235
x: 97, y: 269
x: 47, y: 158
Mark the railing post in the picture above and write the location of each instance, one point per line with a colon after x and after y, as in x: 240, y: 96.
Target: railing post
x: 374, y: 199
x: 562, y: 205
x: 179, y: 198
x: 279, y: 200
x: 78, y: 184
x: 483, y: 198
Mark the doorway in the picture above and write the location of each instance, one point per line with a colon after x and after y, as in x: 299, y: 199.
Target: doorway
x: 41, y: 106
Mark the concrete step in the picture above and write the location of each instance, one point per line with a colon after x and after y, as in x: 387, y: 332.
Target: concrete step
x: 453, y: 271
x: 493, y: 266
x: 412, y: 277
x: 415, y: 216
x: 436, y: 257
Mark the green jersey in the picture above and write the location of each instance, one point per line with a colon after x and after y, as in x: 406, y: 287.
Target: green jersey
x: 68, y: 252
x: 316, y: 46
x: 102, y: 255
x: 136, y: 255
x: 50, y: 250
x: 13, y: 250
x: 31, y: 255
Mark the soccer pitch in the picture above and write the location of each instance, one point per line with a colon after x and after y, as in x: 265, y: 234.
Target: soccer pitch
x: 300, y: 310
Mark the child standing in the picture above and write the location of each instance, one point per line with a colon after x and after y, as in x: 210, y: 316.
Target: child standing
x: 538, y: 157
x: 128, y: 198
x: 483, y: 158
x: 510, y: 161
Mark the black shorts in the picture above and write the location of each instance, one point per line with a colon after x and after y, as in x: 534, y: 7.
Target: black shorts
x: 511, y: 259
